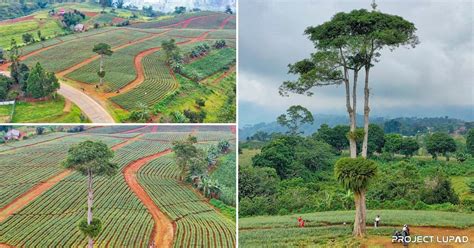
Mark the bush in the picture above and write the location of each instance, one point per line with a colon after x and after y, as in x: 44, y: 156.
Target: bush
x: 92, y: 230
x: 421, y: 206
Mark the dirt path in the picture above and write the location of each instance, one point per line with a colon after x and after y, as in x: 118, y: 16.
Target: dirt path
x: 94, y: 111
x: 225, y: 21
x: 225, y: 74
x: 21, y: 201
x: 24, y: 199
x: 163, y: 229
x: 379, y: 241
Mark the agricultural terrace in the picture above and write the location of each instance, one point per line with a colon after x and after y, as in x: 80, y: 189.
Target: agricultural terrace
x: 138, y: 77
x: 125, y: 218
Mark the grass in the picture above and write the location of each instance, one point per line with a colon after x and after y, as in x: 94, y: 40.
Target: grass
x: 460, y: 185
x: 325, y: 229
x: 214, y: 94
x: 48, y: 26
x: 245, y: 159
x: 46, y: 112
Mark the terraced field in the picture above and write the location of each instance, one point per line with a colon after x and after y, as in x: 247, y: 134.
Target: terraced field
x: 68, y: 54
x: 133, y: 74
x: 120, y: 67
x: 50, y: 219
x: 214, y: 62
x: 197, y: 224
x: 158, y: 83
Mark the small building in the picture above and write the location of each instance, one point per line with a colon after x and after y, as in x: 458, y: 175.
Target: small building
x: 79, y: 28
x: 12, y: 134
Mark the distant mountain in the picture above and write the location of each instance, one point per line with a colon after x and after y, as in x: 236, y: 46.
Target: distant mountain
x: 403, y: 125
x: 168, y: 5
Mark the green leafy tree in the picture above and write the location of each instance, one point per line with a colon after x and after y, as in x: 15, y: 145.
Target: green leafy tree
x: 336, y: 136
x: 102, y: 49
x: 439, y: 190
x: 295, y: 116
x: 14, y: 55
x: 409, y: 146
x: 348, y: 42
x: 41, y: 83
x: 189, y: 158
x: 440, y: 143
x: 179, y: 10
x: 91, y: 159
x: 376, y: 139
x: 119, y: 4
x: 393, y: 143
x: 228, y: 10
x: 27, y: 38
x: 223, y: 146
x: 356, y: 175
x: 470, y: 141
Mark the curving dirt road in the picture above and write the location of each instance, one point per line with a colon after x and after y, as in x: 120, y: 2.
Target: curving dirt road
x: 23, y: 200
x: 91, y: 108
x: 163, y: 229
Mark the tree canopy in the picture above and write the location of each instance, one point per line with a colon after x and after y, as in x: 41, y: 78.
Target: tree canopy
x: 295, y: 116
x: 91, y: 156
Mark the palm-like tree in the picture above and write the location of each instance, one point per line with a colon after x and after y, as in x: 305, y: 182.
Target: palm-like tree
x: 91, y: 159
x: 102, y: 49
x: 355, y: 174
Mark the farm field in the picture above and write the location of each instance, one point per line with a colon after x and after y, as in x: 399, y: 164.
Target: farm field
x: 324, y: 229
x: 137, y: 71
x: 35, y: 185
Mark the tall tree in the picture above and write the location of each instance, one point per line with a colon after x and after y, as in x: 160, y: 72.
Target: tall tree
x: 14, y: 55
x: 103, y: 50
x: 295, y: 116
x: 189, y: 158
x: 91, y: 159
x: 347, y: 43
x: 355, y: 175
x: 440, y: 143
x: 41, y: 83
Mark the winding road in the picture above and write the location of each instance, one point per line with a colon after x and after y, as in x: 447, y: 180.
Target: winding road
x: 94, y: 111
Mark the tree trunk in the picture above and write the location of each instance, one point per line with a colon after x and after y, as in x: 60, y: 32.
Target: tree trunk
x: 366, y: 113
x: 101, y: 69
x: 350, y: 111
x: 360, y: 214
x: 90, y: 200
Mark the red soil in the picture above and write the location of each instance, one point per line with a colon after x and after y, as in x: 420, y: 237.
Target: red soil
x: 163, y: 231
x: 225, y: 21
x: 225, y: 74
x: 117, y: 20
x: 20, y: 19
x: 90, y: 14
x: 23, y: 200
x: 154, y: 129
x: 378, y: 241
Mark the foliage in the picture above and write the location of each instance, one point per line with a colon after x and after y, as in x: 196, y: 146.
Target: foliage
x: 440, y: 143
x: 293, y: 156
x: 179, y: 10
x: 393, y: 143
x: 336, y: 136
x: 91, y: 156
x: 355, y: 174
x: 190, y: 159
x: 439, y: 191
x: 409, y: 146
x: 70, y: 19
x: 90, y: 230
x: 41, y: 83
x: 295, y: 116
x: 470, y: 141
x: 223, y: 146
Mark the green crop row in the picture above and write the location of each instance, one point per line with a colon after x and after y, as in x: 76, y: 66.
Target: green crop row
x: 198, y: 224
x: 120, y: 67
x: 158, y: 84
x: 215, y: 61
x: 69, y: 53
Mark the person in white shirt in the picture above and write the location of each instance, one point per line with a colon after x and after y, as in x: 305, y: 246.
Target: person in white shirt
x: 377, y: 221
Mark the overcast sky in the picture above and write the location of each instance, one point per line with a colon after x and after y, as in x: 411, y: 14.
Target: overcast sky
x: 434, y: 79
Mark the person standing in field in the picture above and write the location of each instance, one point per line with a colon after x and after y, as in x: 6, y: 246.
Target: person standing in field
x: 377, y: 221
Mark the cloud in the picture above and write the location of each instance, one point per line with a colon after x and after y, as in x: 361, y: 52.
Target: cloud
x: 436, y: 74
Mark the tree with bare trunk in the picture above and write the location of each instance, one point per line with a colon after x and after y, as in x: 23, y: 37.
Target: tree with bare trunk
x: 91, y: 159
x: 102, y: 49
x: 355, y: 175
